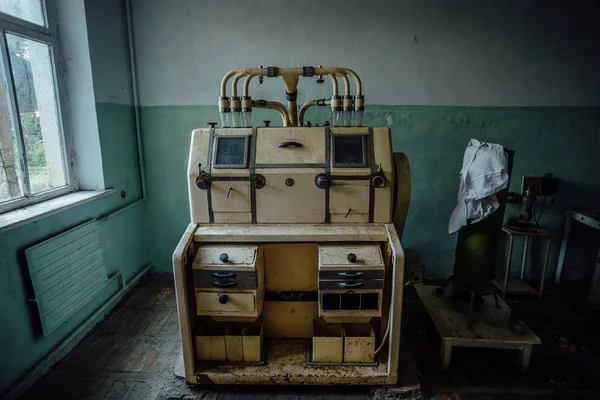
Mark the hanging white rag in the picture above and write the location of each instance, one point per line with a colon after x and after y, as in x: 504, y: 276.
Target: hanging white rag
x: 484, y: 173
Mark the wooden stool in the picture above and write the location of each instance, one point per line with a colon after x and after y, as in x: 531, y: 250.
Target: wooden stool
x: 523, y: 287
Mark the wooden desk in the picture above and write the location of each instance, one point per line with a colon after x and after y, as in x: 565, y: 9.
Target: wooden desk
x: 490, y: 328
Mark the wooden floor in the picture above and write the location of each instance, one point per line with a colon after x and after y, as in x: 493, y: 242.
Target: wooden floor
x: 132, y: 355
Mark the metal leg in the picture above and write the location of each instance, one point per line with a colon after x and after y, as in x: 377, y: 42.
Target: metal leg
x: 511, y: 239
x: 594, y: 297
x: 563, y: 250
x: 524, y: 358
x: 471, y: 311
x: 549, y: 241
x: 496, y: 299
x: 525, y: 246
x: 445, y: 354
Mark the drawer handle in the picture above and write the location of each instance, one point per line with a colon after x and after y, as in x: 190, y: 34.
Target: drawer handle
x: 351, y: 275
x: 227, y: 284
x: 289, y: 144
x: 351, y: 257
x: 351, y: 285
x: 223, y: 275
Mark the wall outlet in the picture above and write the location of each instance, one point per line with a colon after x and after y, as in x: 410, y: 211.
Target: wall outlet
x: 541, y: 185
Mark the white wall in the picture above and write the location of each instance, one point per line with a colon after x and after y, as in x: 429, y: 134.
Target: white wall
x: 426, y: 52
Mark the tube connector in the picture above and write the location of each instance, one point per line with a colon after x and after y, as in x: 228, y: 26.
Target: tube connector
x: 246, y: 103
x: 224, y: 104
x: 348, y: 103
x: 359, y: 102
x: 336, y: 103
x: 236, y: 105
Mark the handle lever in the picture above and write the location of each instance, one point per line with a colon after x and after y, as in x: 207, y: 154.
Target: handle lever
x: 351, y: 285
x: 226, y: 284
x: 289, y: 144
x: 351, y: 275
x: 223, y: 275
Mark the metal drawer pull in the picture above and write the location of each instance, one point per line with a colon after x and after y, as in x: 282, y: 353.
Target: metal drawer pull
x: 227, y: 284
x: 351, y: 275
x: 223, y: 275
x: 345, y: 285
x: 289, y: 144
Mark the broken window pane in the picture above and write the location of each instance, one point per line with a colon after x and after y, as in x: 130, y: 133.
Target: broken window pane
x: 10, y: 172
x: 28, y: 10
x: 32, y: 71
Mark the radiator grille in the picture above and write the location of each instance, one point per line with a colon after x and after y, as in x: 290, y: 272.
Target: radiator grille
x: 67, y: 272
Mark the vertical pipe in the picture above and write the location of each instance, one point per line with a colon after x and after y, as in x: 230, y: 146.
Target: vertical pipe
x: 135, y: 97
x: 524, y: 257
x: 507, y: 272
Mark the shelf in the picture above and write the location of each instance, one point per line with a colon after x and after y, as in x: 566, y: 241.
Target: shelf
x: 291, y: 233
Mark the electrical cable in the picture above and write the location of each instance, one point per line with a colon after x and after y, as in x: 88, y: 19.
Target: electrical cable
x: 539, y: 217
x: 387, y: 329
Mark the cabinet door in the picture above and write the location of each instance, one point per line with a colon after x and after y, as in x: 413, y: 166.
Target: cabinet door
x: 236, y: 302
x: 290, y: 195
x: 290, y: 146
x: 340, y: 257
x: 228, y: 196
x: 233, y: 256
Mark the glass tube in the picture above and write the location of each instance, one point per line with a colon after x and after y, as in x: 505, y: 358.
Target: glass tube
x: 247, y: 118
x: 347, y: 117
x: 358, y: 118
x: 235, y: 119
x: 336, y: 118
x: 224, y: 119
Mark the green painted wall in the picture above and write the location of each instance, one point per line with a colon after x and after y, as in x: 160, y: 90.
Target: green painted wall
x: 546, y: 139
x: 22, y: 344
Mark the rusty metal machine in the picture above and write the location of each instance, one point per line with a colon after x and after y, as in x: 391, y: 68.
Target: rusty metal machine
x: 291, y: 269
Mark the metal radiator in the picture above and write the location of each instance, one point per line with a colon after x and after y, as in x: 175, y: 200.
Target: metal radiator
x: 67, y: 272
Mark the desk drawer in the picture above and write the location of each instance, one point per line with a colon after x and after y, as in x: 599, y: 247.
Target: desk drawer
x: 232, y: 303
x: 351, y: 284
x: 351, y: 274
x: 223, y: 279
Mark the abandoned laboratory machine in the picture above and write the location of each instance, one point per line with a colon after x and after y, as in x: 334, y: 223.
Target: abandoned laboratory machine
x: 291, y: 269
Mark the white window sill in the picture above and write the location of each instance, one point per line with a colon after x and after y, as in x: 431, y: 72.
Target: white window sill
x: 26, y: 215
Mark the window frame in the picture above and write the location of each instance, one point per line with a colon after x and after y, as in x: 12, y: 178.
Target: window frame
x: 48, y: 35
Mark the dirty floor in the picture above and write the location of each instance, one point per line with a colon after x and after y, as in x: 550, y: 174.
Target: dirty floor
x: 132, y: 354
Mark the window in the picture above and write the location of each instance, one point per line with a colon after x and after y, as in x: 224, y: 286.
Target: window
x: 35, y: 155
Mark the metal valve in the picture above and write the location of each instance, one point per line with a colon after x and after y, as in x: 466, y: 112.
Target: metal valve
x: 352, y: 257
x: 322, y: 181
x: 224, y: 257
x: 223, y: 298
x: 258, y: 181
x: 203, y: 180
x: 378, y: 180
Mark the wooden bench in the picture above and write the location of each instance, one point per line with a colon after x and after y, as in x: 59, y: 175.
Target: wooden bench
x: 490, y: 327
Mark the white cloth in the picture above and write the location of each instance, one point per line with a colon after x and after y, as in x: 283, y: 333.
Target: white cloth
x: 484, y: 173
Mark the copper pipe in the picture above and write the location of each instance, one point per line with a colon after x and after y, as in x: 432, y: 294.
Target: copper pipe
x: 356, y: 79
x: 273, y: 105
x: 334, y: 83
x: 224, y: 82
x: 247, y: 84
x: 309, y: 104
x: 346, y: 83
x: 290, y: 78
